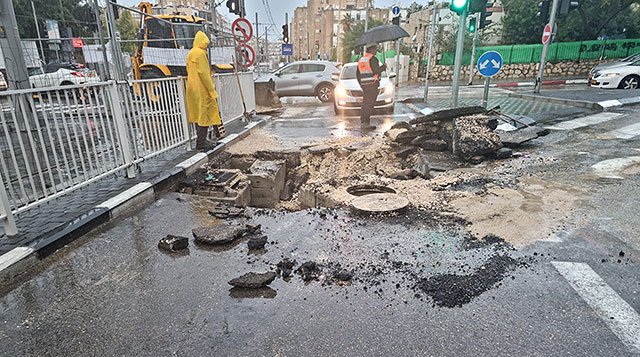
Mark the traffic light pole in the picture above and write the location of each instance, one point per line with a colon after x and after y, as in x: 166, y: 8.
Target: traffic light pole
x: 472, y: 66
x: 455, y: 86
x: 286, y: 22
x: 545, y: 49
x: 432, y: 32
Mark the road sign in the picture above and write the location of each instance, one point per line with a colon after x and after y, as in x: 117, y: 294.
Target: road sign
x: 287, y: 49
x: 489, y: 64
x: 395, y: 10
x: 246, y: 55
x: 546, y: 34
x: 242, y: 30
x: 77, y: 42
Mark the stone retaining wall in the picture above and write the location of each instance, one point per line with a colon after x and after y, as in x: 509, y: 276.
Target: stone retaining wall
x: 441, y: 73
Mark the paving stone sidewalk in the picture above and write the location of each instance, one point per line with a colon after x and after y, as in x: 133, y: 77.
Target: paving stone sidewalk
x: 47, y: 219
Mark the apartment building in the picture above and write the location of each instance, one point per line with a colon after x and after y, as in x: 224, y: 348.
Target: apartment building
x: 317, y: 28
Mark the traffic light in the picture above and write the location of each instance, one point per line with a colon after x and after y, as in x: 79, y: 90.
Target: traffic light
x: 477, y: 6
x: 396, y: 20
x: 543, y: 11
x: 459, y: 6
x: 472, y: 24
x: 483, y: 16
x: 236, y: 7
x: 285, y: 33
x: 567, y: 5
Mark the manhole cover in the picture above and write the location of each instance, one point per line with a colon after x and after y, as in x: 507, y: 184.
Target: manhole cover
x: 362, y: 190
x: 380, y: 202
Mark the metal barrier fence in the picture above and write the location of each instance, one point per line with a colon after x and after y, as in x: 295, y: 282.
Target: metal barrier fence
x: 558, y: 52
x: 55, y: 140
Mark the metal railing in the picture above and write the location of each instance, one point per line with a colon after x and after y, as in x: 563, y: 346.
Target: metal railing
x: 56, y: 140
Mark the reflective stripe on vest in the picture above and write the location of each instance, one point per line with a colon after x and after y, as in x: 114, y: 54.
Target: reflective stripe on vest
x: 366, y: 72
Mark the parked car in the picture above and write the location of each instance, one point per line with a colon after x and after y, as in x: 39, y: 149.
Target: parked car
x: 3, y: 82
x: 61, y: 74
x: 304, y: 78
x: 625, y: 60
x: 623, y: 76
x: 348, y: 93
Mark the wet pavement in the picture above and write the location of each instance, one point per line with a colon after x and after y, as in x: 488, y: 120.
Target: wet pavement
x: 422, y: 283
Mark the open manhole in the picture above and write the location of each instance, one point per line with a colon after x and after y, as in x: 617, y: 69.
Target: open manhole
x: 363, y: 190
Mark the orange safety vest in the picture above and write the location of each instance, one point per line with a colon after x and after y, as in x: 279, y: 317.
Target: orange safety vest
x: 366, y: 72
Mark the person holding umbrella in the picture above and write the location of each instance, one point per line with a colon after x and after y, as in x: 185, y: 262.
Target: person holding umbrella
x: 368, y: 75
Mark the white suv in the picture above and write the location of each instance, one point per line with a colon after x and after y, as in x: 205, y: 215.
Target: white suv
x: 61, y: 74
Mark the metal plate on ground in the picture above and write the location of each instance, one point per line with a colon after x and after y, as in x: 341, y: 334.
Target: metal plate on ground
x: 380, y: 202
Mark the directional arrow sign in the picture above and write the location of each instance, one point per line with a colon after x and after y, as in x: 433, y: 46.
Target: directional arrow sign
x: 489, y: 64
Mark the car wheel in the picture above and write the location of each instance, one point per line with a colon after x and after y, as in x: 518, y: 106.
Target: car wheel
x: 630, y: 82
x: 325, y: 93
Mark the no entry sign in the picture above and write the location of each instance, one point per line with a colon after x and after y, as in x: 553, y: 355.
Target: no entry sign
x: 546, y: 34
x: 242, y: 30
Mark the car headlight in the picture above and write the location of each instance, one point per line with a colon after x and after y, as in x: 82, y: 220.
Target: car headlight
x: 610, y: 74
x: 340, y: 91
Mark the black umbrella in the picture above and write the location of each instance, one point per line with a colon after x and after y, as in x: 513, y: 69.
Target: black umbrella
x: 382, y: 33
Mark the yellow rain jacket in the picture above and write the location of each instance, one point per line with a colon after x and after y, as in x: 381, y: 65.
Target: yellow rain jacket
x: 202, y: 105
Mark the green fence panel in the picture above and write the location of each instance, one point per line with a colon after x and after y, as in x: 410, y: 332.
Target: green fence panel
x: 561, y: 51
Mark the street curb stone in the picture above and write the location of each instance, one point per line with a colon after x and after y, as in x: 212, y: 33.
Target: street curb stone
x: 14, y: 263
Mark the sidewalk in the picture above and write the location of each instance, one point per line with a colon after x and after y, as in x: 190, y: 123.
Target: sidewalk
x: 50, y: 226
x: 587, y: 97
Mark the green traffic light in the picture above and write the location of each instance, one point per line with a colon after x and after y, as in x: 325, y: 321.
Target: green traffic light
x: 458, y: 6
x: 472, y: 25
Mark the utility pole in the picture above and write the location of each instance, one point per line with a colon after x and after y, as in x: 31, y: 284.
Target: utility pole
x: 266, y: 46
x: 366, y: 23
x: 105, y: 57
x: 286, y: 21
x: 455, y: 86
x: 258, y: 56
x: 432, y: 33
x: 18, y: 78
x: 545, y: 49
x: 35, y: 20
x: 472, y: 66
x: 114, y: 38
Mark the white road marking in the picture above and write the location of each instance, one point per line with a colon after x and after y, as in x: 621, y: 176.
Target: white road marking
x: 621, y: 318
x: 610, y: 103
x: 611, y: 168
x: 626, y: 132
x: 585, y: 121
x: 13, y: 256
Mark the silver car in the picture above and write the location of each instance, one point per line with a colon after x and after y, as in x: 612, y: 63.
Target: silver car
x: 304, y: 78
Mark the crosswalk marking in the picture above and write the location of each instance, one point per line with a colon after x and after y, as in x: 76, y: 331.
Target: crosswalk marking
x: 626, y: 132
x: 585, y: 121
x: 621, y: 318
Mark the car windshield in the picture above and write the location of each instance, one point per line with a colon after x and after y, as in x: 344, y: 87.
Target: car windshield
x: 349, y: 72
x: 631, y: 58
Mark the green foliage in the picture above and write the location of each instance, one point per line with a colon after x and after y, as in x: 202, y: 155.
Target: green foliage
x: 414, y: 7
x: 593, y: 19
x: 128, y: 31
x: 350, y: 38
x: 78, y: 15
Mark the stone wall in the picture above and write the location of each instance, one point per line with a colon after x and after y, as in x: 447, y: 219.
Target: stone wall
x: 514, y: 71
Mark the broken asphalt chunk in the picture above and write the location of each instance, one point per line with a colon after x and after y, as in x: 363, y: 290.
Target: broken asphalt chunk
x: 221, y: 234
x: 173, y: 243
x: 253, y: 280
x: 257, y: 243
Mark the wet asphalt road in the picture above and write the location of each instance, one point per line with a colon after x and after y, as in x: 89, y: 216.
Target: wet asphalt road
x: 114, y: 293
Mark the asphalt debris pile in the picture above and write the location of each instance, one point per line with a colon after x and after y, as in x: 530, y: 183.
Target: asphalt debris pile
x: 257, y: 243
x: 309, y: 271
x: 284, y: 268
x: 452, y: 290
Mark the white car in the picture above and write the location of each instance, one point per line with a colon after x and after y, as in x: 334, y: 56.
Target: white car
x: 348, y: 93
x: 616, y: 63
x: 622, y: 76
x: 3, y: 82
x: 56, y: 75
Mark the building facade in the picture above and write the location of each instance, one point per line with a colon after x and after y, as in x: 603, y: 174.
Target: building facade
x: 317, y: 29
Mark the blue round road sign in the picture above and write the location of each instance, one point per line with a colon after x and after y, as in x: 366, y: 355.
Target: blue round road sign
x: 395, y: 10
x: 490, y: 63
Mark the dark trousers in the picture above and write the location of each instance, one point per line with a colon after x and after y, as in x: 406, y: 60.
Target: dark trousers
x: 370, y: 94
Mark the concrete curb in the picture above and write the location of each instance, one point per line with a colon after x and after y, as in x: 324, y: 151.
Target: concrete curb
x: 571, y: 102
x: 14, y: 262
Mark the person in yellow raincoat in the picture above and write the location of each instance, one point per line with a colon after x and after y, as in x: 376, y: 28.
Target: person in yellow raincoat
x: 202, y: 104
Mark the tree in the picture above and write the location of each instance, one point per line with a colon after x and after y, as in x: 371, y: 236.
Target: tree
x: 77, y: 15
x: 350, y: 38
x: 593, y: 19
x: 128, y: 31
x: 414, y: 7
